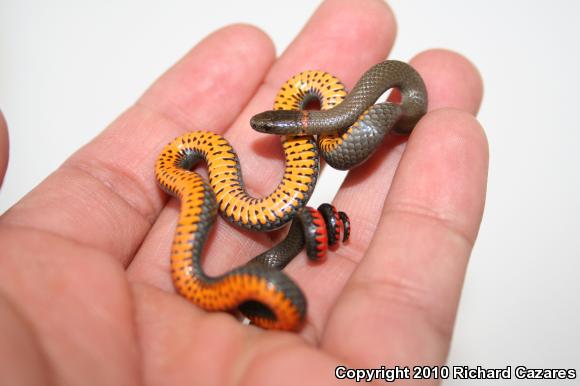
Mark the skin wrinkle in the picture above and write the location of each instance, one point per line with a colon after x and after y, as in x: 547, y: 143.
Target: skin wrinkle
x: 107, y: 175
x: 47, y: 373
x: 335, y: 275
x: 259, y: 357
x: 402, y: 293
x: 15, y: 219
x: 346, y: 256
x: 250, y: 353
x: 47, y: 232
x: 394, y: 304
x: 359, y: 244
x: 220, y: 320
x: 415, y: 209
x: 143, y: 323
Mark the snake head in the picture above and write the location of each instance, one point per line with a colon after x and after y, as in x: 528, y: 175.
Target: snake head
x: 281, y: 122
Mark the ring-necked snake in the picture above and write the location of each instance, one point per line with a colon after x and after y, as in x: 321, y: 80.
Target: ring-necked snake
x: 351, y: 127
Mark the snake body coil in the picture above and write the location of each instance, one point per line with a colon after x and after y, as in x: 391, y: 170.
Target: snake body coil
x: 350, y: 128
x: 264, y: 294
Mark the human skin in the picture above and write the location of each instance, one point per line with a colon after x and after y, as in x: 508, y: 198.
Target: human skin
x: 85, y: 290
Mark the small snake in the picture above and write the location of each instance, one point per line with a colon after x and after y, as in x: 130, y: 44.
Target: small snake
x: 259, y: 290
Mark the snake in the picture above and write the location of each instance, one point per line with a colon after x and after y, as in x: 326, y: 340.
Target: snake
x: 345, y: 131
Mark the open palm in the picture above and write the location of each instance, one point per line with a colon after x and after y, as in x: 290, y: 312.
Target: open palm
x: 85, y: 291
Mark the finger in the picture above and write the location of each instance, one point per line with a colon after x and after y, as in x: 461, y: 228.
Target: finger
x: 3, y: 147
x: 363, y: 193
x: 342, y: 37
x: 407, y: 287
x: 106, y: 195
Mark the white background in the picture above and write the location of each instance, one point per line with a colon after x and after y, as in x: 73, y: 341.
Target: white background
x: 68, y: 68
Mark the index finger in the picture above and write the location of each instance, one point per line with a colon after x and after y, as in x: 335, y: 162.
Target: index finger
x: 105, y: 195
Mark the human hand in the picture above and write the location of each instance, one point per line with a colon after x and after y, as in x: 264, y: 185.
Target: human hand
x: 85, y: 290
